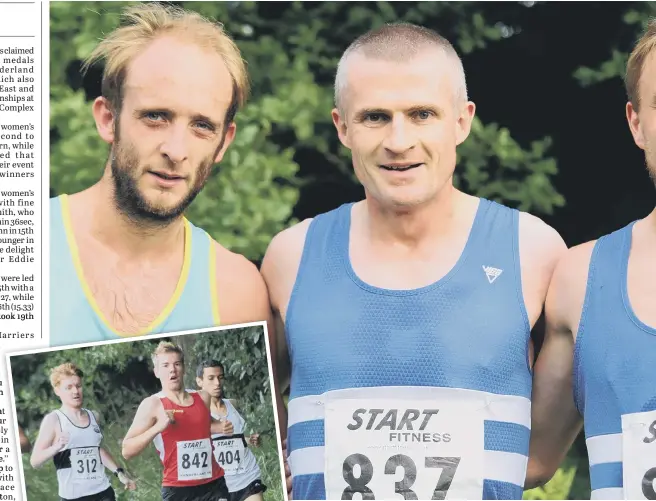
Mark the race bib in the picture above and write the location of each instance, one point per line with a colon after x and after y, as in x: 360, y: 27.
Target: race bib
x: 229, y: 453
x: 86, y: 464
x: 404, y: 449
x: 639, y: 455
x: 194, y: 459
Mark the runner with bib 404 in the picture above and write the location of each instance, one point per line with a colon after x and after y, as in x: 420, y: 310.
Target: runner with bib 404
x: 232, y: 452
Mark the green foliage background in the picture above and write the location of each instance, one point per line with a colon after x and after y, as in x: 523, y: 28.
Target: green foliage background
x: 292, y: 49
x: 117, y: 378
x: 292, y: 54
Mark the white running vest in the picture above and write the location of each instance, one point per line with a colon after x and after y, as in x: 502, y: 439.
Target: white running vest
x: 232, y: 453
x: 80, y: 471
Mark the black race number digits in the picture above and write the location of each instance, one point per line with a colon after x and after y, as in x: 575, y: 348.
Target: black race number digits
x: 228, y: 457
x: 88, y: 466
x: 648, y: 484
x: 357, y: 484
x: 449, y: 465
x: 199, y: 460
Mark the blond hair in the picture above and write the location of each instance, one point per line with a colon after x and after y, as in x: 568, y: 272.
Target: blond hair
x: 63, y: 371
x: 141, y: 25
x: 636, y: 63
x: 166, y: 347
x: 399, y: 42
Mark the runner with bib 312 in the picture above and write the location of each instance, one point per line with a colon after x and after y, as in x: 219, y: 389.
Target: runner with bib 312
x: 406, y: 317
x: 180, y: 425
x: 71, y: 437
x: 598, y: 360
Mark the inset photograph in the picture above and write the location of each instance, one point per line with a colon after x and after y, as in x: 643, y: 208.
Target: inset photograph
x: 181, y: 416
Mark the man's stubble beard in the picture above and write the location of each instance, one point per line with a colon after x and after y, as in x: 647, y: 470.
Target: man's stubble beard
x: 650, y: 162
x: 129, y: 200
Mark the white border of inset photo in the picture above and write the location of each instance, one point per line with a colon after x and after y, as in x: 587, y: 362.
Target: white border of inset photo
x: 263, y: 324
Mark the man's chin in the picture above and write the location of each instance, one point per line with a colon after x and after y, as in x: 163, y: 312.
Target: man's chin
x: 163, y: 205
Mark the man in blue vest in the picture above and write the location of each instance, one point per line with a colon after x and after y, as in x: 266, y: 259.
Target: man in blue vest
x: 599, y: 353
x: 407, y: 315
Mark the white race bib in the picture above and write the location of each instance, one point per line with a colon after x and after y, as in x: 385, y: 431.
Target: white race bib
x: 639, y: 455
x: 86, y: 465
x: 194, y: 459
x: 229, y: 453
x: 404, y: 449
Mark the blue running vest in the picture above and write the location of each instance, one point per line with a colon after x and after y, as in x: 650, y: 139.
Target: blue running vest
x: 74, y: 314
x: 469, y: 331
x: 614, y: 362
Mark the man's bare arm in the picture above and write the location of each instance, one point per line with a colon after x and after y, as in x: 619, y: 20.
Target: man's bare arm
x: 555, y: 420
x: 47, y: 443
x: 241, y: 292
x: 279, y: 269
x: 149, y: 421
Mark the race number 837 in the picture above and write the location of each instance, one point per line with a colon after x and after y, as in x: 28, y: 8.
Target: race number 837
x: 639, y: 455
x: 358, y: 484
x: 648, y: 479
x: 389, y: 449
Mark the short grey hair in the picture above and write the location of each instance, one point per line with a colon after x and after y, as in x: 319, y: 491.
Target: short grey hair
x: 399, y: 42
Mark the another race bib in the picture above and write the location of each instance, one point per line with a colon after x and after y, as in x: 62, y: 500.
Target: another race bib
x: 229, y: 453
x: 409, y: 449
x: 639, y: 455
x: 194, y: 459
x: 86, y: 465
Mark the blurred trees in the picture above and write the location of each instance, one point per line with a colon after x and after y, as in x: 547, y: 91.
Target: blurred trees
x: 635, y: 19
x: 292, y: 51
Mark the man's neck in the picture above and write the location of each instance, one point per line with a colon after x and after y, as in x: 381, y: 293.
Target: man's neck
x: 217, y: 403
x: 646, y: 229
x: 410, y: 227
x: 112, y: 227
x: 176, y: 396
x: 651, y: 221
x: 76, y: 412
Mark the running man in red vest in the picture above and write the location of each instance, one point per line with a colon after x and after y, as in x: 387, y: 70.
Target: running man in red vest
x: 180, y: 425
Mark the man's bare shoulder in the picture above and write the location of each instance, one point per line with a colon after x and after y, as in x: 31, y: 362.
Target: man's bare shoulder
x: 50, y: 419
x: 287, y: 246
x: 282, y: 261
x: 539, y: 242
x: 205, y: 397
x: 233, y: 266
x: 241, y: 292
x: 568, y: 287
x: 572, y: 269
x: 150, y: 403
x: 540, y: 249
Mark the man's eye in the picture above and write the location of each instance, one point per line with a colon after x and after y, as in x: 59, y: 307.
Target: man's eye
x: 423, y: 114
x: 375, y: 117
x: 153, y: 116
